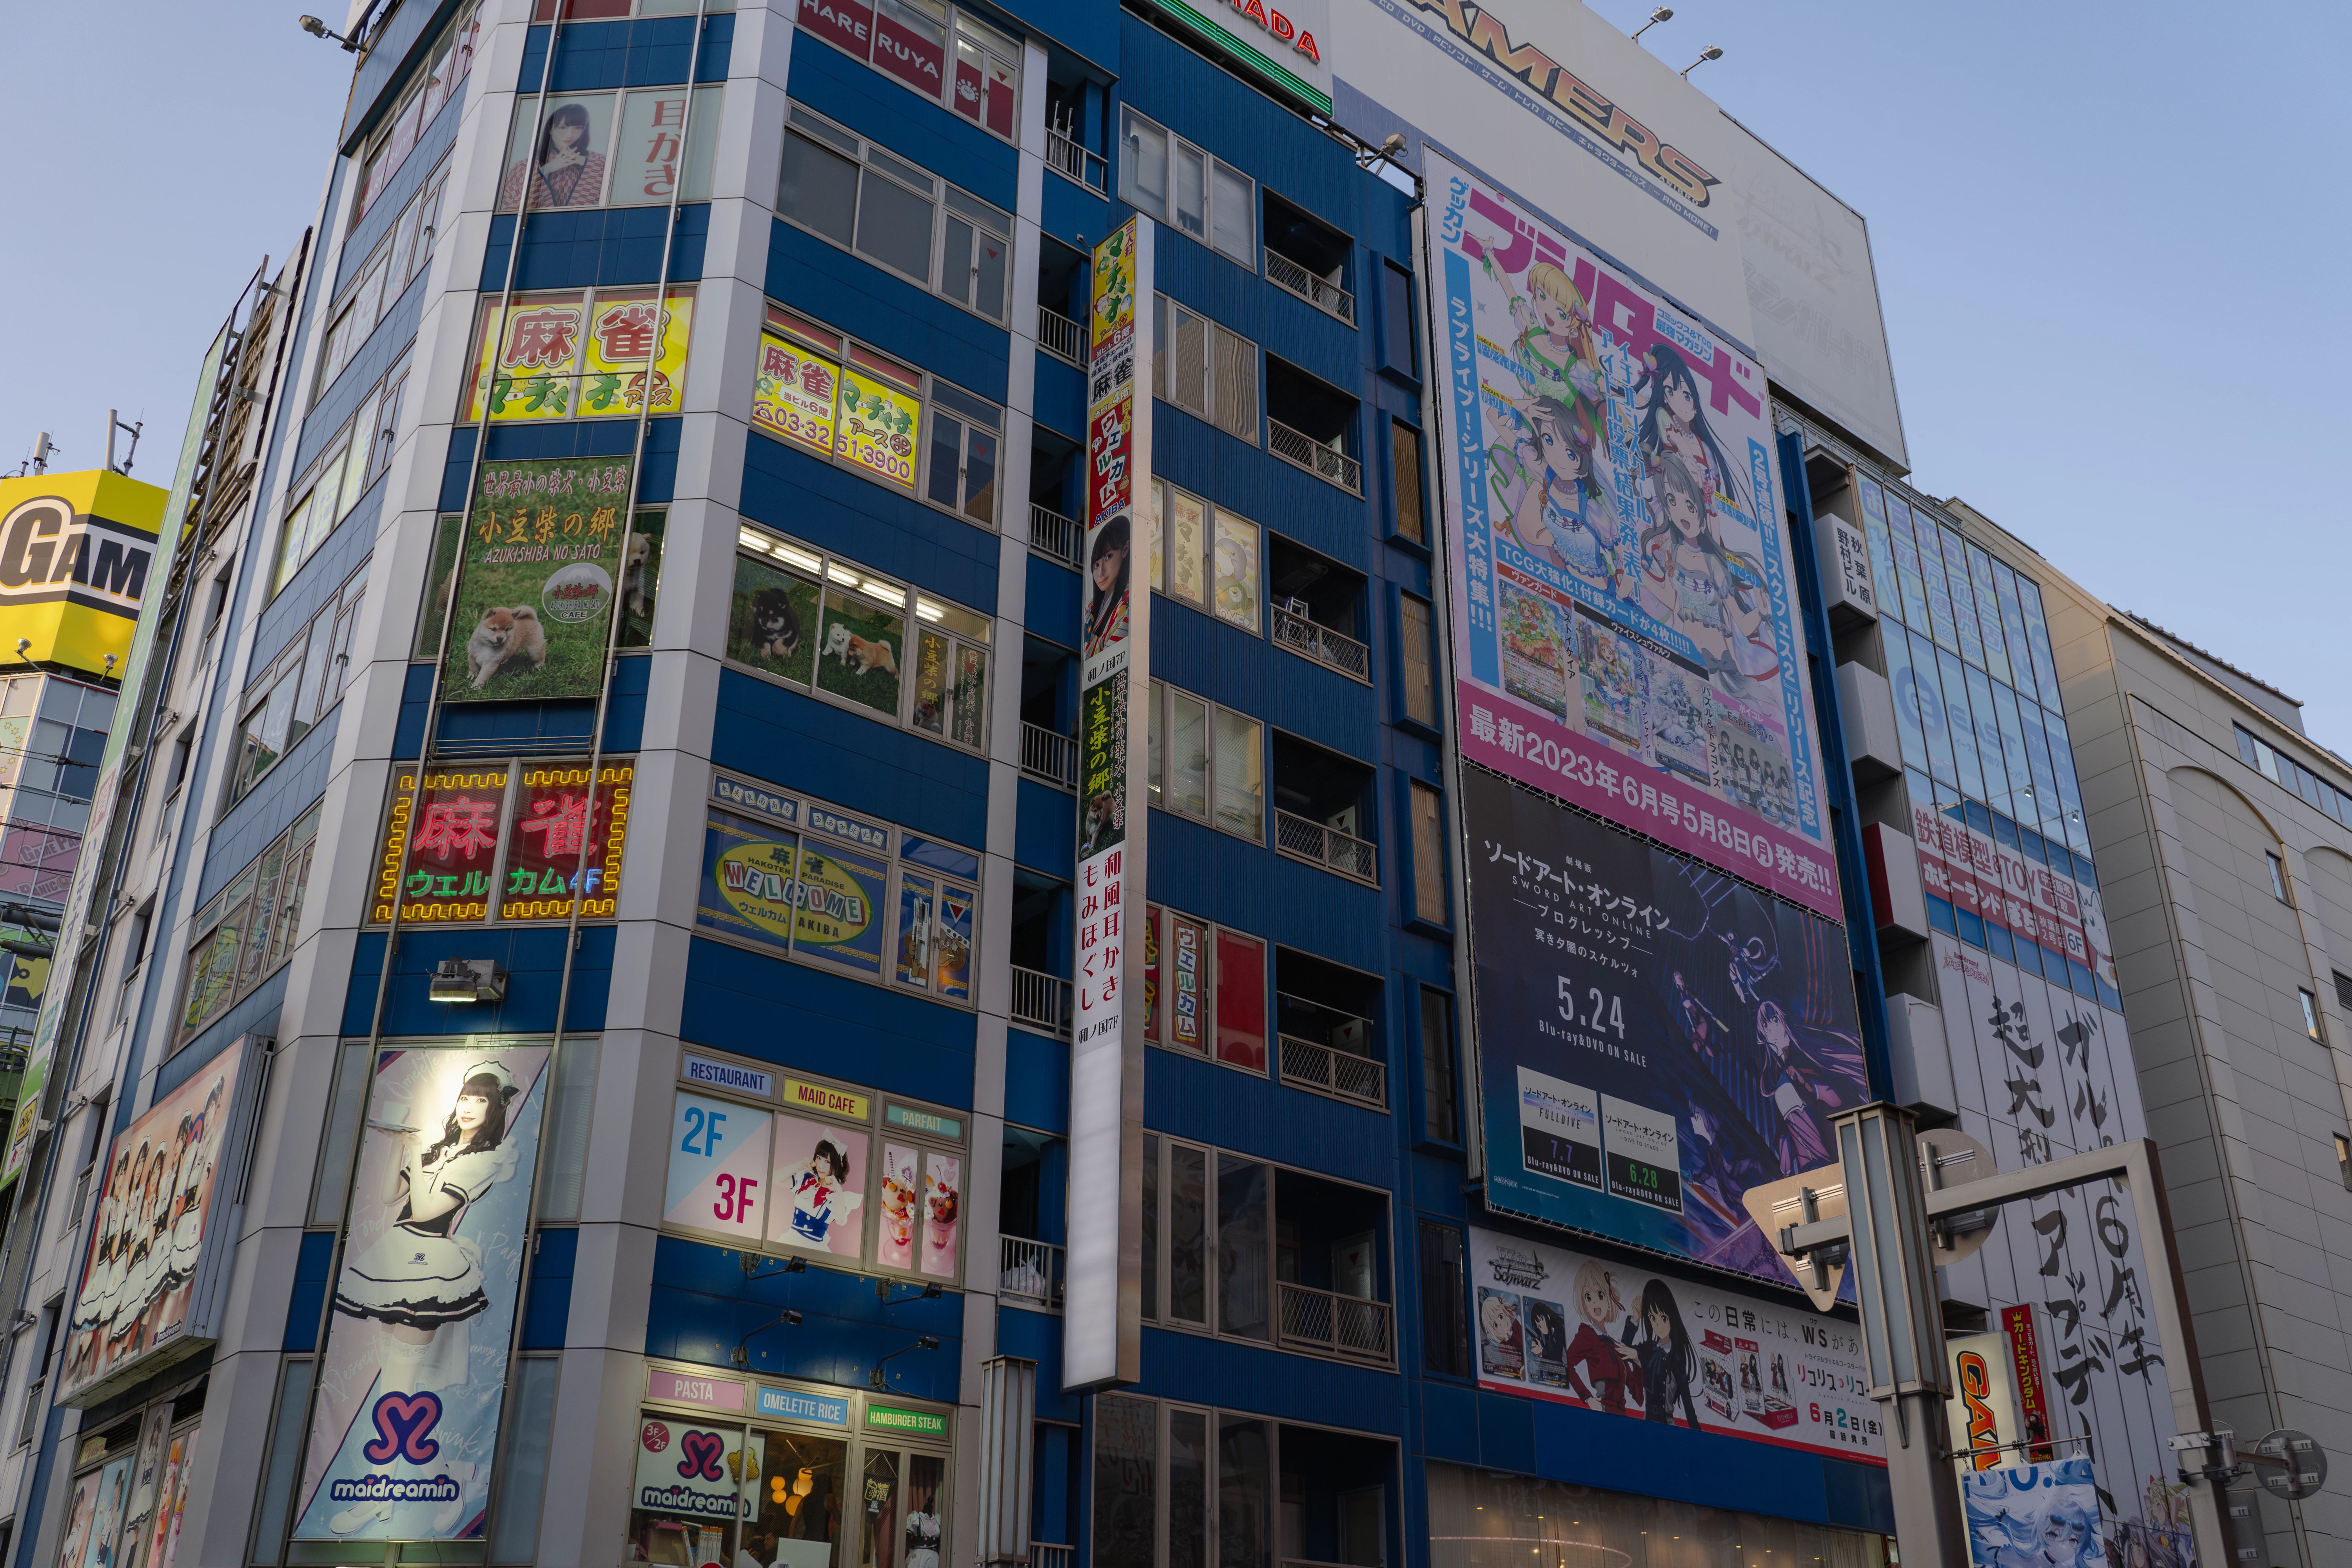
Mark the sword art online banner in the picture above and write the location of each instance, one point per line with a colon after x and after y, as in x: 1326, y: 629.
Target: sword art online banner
x: 1624, y: 617
x: 1655, y: 1038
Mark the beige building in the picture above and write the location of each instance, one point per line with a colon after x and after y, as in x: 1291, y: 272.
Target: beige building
x: 2224, y: 855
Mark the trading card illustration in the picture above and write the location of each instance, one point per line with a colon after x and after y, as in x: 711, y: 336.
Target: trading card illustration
x: 1536, y: 646
x: 1502, y: 1339
x: 1611, y: 669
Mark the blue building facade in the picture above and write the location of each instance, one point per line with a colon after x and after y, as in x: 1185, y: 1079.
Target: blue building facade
x: 781, y: 1261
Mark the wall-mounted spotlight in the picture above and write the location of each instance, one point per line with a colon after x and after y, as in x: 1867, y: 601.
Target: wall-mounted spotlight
x: 742, y: 1355
x: 928, y: 1343
x: 317, y: 29
x: 468, y: 980
x: 1704, y: 55
x: 1663, y: 13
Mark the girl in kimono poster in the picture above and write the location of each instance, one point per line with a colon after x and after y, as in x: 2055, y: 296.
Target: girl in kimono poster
x: 414, y: 1376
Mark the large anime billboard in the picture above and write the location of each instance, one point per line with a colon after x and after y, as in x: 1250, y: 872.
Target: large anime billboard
x: 1624, y: 617
x: 1653, y: 1038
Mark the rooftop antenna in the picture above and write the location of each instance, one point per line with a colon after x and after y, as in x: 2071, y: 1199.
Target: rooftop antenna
x: 1704, y: 55
x: 114, y: 423
x: 1663, y: 13
x: 41, y: 450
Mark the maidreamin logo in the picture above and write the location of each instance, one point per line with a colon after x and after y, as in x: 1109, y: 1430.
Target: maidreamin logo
x: 391, y: 1488
x: 686, y: 1500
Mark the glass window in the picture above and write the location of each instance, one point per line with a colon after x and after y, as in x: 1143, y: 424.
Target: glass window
x: 1417, y: 649
x: 1233, y: 210
x: 804, y: 1492
x: 1188, y: 755
x: 1188, y: 1227
x: 1441, y: 1117
x: 1188, y: 1488
x: 1143, y: 172
x: 1127, y: 1472
x: 1404, y: 446
x: 1193, y: 190
x: 1245, y: 1494
x: 894, y: 227
x: 976, y: 72
x: 1203, y: 369
x: 1242, y: 1286
x: 1444, y: 1326
x: 1428, y: 855
x: 1240, y: 775
x: 1150, y: 1230
x: 1403, y: 344
x: 2310, y: 1014
x: 836, y: 629
x: 1240, y: 1017
x: 522, y: 1482
x: 1237, y: 570
x: 817, y: 188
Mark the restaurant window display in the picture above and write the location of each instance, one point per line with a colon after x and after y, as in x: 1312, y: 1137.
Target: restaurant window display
x: 126, y: 1502
x: 733, y: 1470
x: 766, y: 1161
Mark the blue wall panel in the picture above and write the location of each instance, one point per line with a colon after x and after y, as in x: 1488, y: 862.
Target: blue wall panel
x: 778, y: 734
x: 532, y: 957
x: 313, y: 1268
x: 1045, y: 830
x: 1052, y: 609
x: 798, y: 1016
x: 854, y: 296
x: 877, y: 107
x: 1036, y: 1081
x: 548, y: 1309
x: 609, y: 246
x: 878, y: 527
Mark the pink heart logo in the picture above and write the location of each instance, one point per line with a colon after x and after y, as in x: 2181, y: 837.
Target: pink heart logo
x: 403, y: 1423
x: 701, y: 1453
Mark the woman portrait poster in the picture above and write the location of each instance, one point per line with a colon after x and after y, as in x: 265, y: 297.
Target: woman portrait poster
x: 564, y: 163
x: 425, y: 1298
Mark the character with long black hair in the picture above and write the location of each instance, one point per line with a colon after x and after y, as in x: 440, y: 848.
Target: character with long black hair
x: 1810, y: 1074
x: 1107, y: 565
x: 1696, y: 586
x: 1674, y: 420
x: 1665, y: 1358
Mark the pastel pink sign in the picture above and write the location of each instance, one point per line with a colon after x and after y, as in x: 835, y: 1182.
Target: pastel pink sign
x: 686, y: 1388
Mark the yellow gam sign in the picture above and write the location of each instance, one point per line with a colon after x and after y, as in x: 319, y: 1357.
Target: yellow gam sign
x: 75, y: 552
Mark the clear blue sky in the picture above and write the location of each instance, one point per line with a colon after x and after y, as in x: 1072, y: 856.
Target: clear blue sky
x: 2110, y: 241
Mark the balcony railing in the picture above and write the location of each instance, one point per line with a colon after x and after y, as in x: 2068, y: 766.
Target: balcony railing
x: 1042, y: 1001
x: 1343, y: 653
x: 1340, y: 1074
x: 1061, y: 337
x: 1342, y: 1325
x: 1326, y: 297
x: 1052, y: 535
x: 1327, y: 847
x: 1046, y: 1554
x: 1323, y: 462
x: 1029, y: 1271
x: 1048, y: 756
x: 1064, y: 156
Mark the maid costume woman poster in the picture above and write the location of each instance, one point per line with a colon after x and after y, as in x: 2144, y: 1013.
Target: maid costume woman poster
x: 414, y: 1375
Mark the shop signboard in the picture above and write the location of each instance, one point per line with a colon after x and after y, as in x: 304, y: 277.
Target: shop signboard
x: 1653, y: 1038
x: 533, y: 605
x: 1101, y: 1325
x: 413, y: 1379
x: 156, y: 1274
x: 76, y: 555
x: 1624, y: 616
x: 1625, y: 1339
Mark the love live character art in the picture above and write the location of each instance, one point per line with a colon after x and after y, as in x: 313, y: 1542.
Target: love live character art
x: 1624, y: 620
x: 413, y: 1379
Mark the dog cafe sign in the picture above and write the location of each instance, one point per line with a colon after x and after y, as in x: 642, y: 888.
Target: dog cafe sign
x: 545, y: 546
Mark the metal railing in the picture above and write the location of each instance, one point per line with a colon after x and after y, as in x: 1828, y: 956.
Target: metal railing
x: 1048, y: 756
x: 1052, y: 535
x: 1029, y: 1270
x: 1321, y: 643
x: 1047, y: 1554
x: 1063, y: 338
x: 1066, y: 158
x: 1325, y: 296
x: 1304, y: 452
x: 1327, y: 846
x: 1041, y: 1000
x: 1325, y: 1320
x: 1340, y: 1074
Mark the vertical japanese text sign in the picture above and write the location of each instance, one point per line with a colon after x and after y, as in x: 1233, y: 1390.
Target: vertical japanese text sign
x: 1101, y: 1329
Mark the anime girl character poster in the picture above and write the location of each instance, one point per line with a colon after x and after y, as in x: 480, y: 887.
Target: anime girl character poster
x: 819, y: 1183
x: 414, y: 1376
x: 141, y: 1281
x: 1613, y: 457
x: 2033, y: 1516
x: 1502, y: 1336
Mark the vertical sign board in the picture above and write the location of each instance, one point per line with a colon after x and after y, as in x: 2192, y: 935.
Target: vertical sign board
x: 60, y: 990
x: 1101, y: 1315
x: 413, y: 1377
x: 1625, y: 623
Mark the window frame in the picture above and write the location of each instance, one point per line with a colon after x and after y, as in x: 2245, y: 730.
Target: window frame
x: 768, y: 808
x: 1164, y: 328
x: 1162, y: 1225
x: 348, y: 330
x: 705, y: 99
x: 1159, y: 923
x: 1451, y: 1048
x: 1213, y: 520
x: 825, y: 569
x: 801, y: 121
x: 797, y: 330
x: 1162, y: 696
x: 957, y: 28
x: 1459, y: 1303
x: 1402, y: 600
x: 461, y: 41
x: 1212, y: 166
x: 1393, y: 507
x: 2312, y: 1028
x: 335, y: 620
x: 301, y: 536
x: 1413, y: 792
x: 278, y: 897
